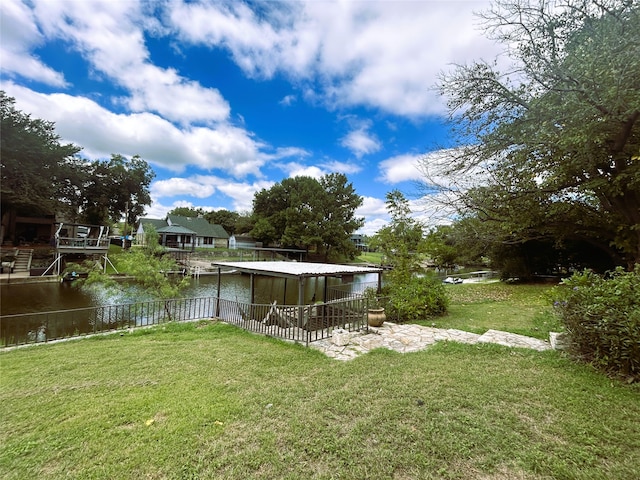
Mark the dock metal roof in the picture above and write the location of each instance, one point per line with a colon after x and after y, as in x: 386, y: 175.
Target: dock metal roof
x: 296, y: 269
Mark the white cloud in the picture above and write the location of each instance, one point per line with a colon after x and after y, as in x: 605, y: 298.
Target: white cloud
x: 361, y: 142
x: 83, y: 122
x: 372, y: 206
x: 400, y: 168
x: 18, y: 37
x: 381, y: 54
x: 288, y: 100
x: 375, y: 214
x: 204, y: 186
x: 294, y: 169
x: 110, y: 36
x: 286, y: 152
x: 173, y: 187
x: 334, y: 166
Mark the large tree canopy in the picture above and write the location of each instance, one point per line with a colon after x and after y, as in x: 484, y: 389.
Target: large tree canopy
x: 555, y: 135
x: 115, y: 188
x: 42, y: 176
x: 305, y: 212
x: 39, y: 174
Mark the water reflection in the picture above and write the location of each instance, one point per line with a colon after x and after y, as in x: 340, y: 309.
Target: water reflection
x: 42, y: 297
x: 69, y: 313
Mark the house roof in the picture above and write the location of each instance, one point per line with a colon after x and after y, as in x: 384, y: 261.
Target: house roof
x: 296, y: 269
x: 199, y: 225
x: 175, y: 229
x: 157, y: 223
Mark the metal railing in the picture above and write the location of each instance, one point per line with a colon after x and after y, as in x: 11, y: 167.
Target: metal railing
x: 349, y: 290
x: 300, y: 323
x: 83, y: 242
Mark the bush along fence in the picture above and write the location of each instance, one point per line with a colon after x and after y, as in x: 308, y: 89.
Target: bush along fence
x: 602, y: 317
x: 300, y: 323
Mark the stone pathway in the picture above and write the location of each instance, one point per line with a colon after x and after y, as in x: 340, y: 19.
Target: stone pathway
x: 344, y: 345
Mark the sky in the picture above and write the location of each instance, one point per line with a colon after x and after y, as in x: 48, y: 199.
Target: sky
x: 225, y: 98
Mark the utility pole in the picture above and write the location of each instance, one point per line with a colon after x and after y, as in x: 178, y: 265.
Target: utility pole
x: 126, y: 214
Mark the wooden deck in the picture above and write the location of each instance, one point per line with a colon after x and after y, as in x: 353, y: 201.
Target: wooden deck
x: 86, y: 246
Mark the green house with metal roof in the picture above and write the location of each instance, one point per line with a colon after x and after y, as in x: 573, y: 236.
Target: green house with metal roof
x: 185, y: 233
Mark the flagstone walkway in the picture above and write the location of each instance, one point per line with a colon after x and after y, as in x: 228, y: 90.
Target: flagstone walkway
x: 344, y: 345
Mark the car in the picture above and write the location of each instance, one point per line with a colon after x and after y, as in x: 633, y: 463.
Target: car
x: 452, y: 280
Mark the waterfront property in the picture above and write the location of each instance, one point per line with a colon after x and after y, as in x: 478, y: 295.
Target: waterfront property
x: 299, y: 323
x: 299, y: 272
x: 186, y: 233
x: 314, y: 316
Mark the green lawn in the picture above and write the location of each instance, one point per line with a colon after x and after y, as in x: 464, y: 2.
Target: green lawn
x: 206, y: 400
x: 369, y: 257
x: 522, y: 309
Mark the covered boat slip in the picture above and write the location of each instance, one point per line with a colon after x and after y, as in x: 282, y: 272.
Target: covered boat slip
x: 301, y: 321
x: 299, y: 271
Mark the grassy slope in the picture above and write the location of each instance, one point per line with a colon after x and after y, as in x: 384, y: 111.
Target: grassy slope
x: 209, y: 401
x: 519, y: 309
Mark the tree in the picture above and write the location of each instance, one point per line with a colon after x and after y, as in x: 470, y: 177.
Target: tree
x: 401, y: 240
x: 441, y: 246
x: 244, y: 223
x: 410, y: 297
x: 307, y: 213
x: 115, y: 188
x: 556, y: 137
x: 188, y: 212
x: 226, y: 218
x: 290, y: 208
x: 339, y: 219
x: 149, y: 269
x: 39, y: 174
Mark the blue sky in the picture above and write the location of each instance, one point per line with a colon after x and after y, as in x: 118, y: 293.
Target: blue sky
x: 223, y: 99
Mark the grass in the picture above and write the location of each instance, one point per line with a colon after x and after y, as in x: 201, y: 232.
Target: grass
x: 522, y: 309
x: 369, y: 257
x: 206, y: 400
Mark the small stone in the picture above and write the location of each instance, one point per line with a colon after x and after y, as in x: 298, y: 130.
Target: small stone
x: 558, y: 340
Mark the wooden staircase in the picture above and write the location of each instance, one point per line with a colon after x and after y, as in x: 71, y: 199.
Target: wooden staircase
x: 23, y: 260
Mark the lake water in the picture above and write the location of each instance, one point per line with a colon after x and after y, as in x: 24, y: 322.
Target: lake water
x: 42, y: 297
x: 70, y: 301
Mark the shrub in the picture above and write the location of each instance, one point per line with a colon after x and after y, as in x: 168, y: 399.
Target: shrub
x: 416, y: 299
x: 602, y: 317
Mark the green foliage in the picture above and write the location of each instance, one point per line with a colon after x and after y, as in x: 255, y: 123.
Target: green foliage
x: 42, y: 176
x: 602, y: 316
x: 416, y: 299
x: 226, y: 218
x: 116, y: 187
x: 39, y: 175
x: 154, y: 273
x: 401, y: 241
x: 152, y: 240
x: 187, y: 212
x: 309, y: 213
x: 372, y: 298
x: 440, y: 245
x: 552, y: 144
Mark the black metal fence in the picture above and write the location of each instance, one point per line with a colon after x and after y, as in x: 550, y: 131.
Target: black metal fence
x: 301, y: 323
x: 350, y: 290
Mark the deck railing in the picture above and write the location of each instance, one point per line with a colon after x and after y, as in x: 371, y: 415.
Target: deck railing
x: 300, y: 323
x: 82, y: 243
